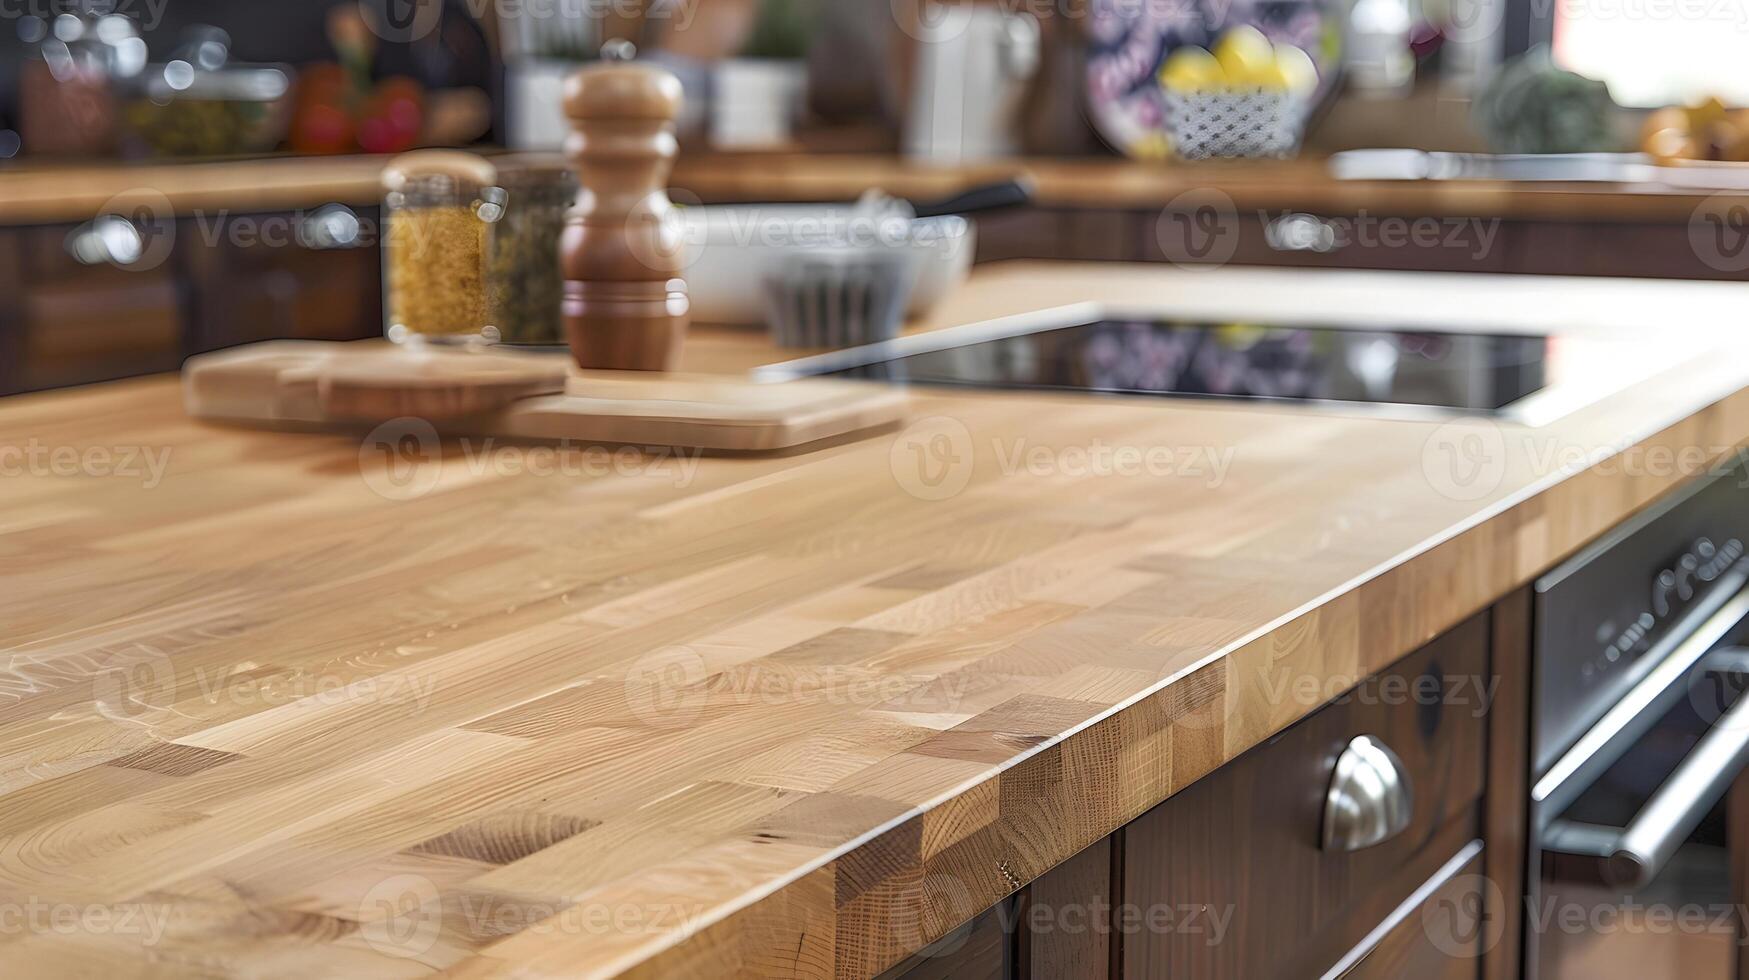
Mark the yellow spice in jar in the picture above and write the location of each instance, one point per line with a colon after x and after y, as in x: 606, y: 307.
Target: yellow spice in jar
x: 436, y: 260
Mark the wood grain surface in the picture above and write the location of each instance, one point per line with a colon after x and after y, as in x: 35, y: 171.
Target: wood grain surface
x: 1102, y: 182
x: 39, y: 194
x: 42, y: 193
x: 531, y: 396
x: 289, y: 705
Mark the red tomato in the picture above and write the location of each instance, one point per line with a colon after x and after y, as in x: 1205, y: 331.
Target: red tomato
x: 321, y: 128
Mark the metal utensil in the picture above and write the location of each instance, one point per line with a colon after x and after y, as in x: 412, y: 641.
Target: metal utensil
x: 838, y: 298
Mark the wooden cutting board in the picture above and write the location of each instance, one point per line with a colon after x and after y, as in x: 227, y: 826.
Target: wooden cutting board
x: 319, y: 384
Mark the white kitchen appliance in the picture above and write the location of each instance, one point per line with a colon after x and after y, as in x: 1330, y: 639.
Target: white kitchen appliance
x: 973, y: 66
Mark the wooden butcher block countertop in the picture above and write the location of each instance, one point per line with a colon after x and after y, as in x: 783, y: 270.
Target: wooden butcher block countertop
x: 36, y: 193
x: 278, y: 705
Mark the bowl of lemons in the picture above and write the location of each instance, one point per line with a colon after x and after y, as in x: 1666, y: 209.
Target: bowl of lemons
x: 1245, y: 97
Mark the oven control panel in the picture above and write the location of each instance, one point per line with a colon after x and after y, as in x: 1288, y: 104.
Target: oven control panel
x: 1600, y: 616
x: 1673, y: 590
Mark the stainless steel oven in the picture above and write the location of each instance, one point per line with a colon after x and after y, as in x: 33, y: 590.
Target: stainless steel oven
x: 1639, y: 741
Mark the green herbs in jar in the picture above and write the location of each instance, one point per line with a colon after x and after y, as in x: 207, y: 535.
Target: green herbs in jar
x: 525, y: 285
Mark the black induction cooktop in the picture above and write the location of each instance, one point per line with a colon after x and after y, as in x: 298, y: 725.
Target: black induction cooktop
x: 1468, y: 371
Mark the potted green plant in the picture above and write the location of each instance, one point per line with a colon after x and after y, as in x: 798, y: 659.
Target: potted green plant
x: 759, y: 92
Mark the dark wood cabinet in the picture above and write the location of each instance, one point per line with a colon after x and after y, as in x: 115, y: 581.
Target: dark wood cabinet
x: 76, y: 320
x: 1438, y: 934
x: 1061, y: 927
x: 1212, y: 231
x: 1230, y: 877
x: 1068, y: 919
x: 12, y: 318
x: 1297, y: 239
x: 1234, y: 863
x: 982, y: 949
x: 95, y: 302
x: 304, y: 275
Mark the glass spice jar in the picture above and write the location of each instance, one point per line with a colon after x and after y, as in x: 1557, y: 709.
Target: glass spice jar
x: 438, y: 206
x: 524, y: 283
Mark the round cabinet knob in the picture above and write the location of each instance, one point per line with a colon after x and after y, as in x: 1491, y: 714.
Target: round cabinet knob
x: 1300, y: 232
x: 330, y: 226
x: 107, y: 238
x: 1370, y: 800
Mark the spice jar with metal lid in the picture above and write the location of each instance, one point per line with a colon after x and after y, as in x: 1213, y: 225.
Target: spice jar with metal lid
x: 524, y: 283
x: 438, y: 207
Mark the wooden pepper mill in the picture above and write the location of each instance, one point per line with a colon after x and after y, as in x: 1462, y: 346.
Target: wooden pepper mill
x: 625, y: 304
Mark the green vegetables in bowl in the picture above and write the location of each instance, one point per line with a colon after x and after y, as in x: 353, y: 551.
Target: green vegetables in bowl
x: 1532, y: 106
x: 223, y: 112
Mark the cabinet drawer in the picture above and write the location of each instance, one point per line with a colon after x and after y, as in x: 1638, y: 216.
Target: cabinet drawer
x: 83, y: 321
x: 982, y: 949
x: 1218, y: 235
x: 1052, y: 233
x: 1699, y: 249
x: 1238, y: 854
x: 1057, y: 928
x: 1437, y: 934
x: 312, y: 275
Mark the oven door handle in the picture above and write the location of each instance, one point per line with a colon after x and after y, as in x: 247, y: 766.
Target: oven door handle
x: 1634, y: 855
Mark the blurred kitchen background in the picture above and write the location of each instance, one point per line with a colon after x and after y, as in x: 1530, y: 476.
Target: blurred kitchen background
x: 1575, y: 137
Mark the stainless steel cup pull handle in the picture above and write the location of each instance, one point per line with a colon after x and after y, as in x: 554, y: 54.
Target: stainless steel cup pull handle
x: 1300, y: 232
x: 106, y: 238
x: 1370, y: 800
x: 331, y: 226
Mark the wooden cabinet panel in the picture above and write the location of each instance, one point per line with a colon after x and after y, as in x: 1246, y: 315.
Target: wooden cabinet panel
x: 1096, y: 234
x: 1021, y: 233
x: 1441, y: 244
x: 1228, y: 878
x: 11, y: 313
x: 78, y: 322
x: 1436, y: 935
x: 1696, y: 250
x: 1506, y: 809
x: 201, y: 283
x: 1060, y: 927
x: 259, y: 277
x: 1105, y: 236
x: 1231, y: 869
x: 1737, y: 831
x: 1066, y: 921
x: 1218, y: 234
x: 982, y: 949
x: 100, y: 319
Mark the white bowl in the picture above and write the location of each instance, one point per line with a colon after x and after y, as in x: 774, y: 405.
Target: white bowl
x: 732, y: 250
